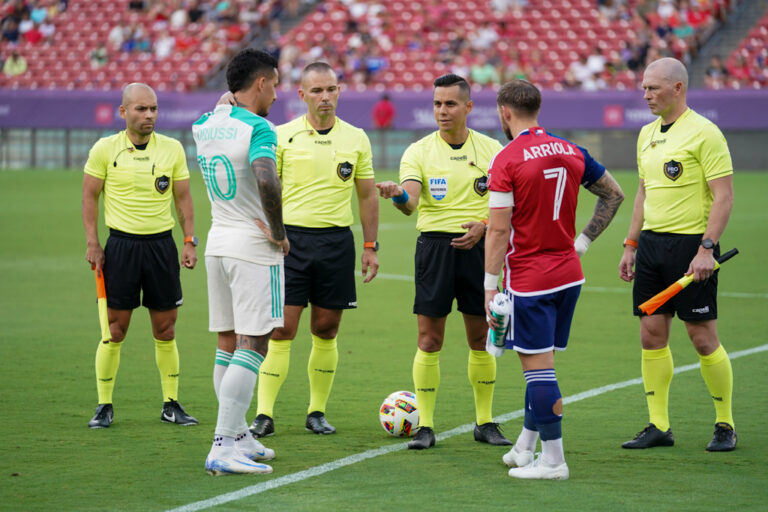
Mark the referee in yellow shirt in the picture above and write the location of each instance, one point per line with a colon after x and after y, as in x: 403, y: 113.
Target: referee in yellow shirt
x: 681, y: 209
x: 321, y: 161
x: 445, y: 176
x: 139, y: 173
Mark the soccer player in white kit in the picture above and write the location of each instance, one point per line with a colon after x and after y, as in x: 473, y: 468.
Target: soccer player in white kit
x: 244, y: 253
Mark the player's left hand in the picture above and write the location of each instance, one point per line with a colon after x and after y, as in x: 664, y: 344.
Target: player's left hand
x: 188, y: 256
x: 702, y: 266
x: 476, y: 231
x: 370, y: 265
x: 489, y: 295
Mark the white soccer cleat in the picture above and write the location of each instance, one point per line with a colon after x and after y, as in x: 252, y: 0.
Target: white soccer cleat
x: 247, y: 445
x: 540, y: 470
x: 516, y: 459
x: 232, y: 462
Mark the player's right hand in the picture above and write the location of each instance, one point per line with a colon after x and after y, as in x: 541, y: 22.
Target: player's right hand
x: 627, y: 265
x: 284, y: 244
x: 227, y: 99
x: 94, y: 255
x: 389, y: 189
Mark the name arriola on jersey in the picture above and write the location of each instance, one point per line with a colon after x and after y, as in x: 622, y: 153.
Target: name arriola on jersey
x: 547, y: 149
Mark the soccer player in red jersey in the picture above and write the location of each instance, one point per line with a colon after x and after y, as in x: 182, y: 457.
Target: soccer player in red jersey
x: 534, y: 185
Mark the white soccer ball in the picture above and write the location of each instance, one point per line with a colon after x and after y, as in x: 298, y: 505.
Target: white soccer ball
x: 399, y: 414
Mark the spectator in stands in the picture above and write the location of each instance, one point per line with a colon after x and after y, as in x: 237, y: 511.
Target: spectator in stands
x: 47, y: 29
x: 37, y: 12
x: 10, y: 30
x: 179, y: 17
x: 569, y: 81
x: 33, y: 35
x: 596, y: 61
x: 383, y: 113
x: 136, y: 5
x: 164, y: 45
x: 716, y: 74
x: 25, y: 24
x: 116, y: 36
x: 483, y: 72
x: 99, y: 57
x: 195, y: 12
x: 15, y: 64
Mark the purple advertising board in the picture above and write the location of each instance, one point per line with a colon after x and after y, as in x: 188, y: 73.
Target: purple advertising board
x: 571, y: 110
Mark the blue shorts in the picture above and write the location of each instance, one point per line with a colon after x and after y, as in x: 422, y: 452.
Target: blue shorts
x: 541, y: 323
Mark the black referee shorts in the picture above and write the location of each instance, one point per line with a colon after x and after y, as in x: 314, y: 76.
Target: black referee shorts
x: 662, y: 259
x: 444, y: 273
x: 142, y: 263
x: 320, y: 267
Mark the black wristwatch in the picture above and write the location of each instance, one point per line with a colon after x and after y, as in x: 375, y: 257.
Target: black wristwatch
x: 707, y: 243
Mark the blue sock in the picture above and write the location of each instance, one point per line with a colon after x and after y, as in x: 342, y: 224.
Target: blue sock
x: 544, y: 395
x: 529, y: 421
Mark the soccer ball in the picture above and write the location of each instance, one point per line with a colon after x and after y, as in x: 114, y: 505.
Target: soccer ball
x: 399, y: 414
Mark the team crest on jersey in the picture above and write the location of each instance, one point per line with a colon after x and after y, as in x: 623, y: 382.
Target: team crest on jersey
x: 673, y: 169
x: 162, y: 183
x: 344, y: 170
x: 481, y: 185
x: 438, y: 187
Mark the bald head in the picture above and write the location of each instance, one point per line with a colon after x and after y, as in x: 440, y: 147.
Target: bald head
x: 135, y: 91
x: 669, y: 69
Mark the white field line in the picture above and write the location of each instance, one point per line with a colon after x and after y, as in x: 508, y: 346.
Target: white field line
x: 369, y: 454
x: 598, y: 289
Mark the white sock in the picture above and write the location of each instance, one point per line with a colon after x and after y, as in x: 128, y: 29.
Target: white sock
x: 235, y: 394
x: 552, y: 452
x: 220, y: 368
x: 526, y: 441
x: 222, y: 443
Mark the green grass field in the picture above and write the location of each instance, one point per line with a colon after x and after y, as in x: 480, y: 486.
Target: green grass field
x: 49, y: 331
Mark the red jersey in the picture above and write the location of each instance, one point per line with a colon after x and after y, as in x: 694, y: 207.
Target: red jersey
x: 539, y: 174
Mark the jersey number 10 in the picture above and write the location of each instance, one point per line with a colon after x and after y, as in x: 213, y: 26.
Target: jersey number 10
x: 212, y: 179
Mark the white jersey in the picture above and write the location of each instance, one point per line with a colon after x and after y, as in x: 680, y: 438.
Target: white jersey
x: 228, y: 140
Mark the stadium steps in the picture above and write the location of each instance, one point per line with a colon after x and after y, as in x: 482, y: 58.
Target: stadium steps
x: 259, y: 39
x: 727, y: 38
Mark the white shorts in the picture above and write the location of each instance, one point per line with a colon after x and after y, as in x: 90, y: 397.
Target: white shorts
x: 243, y: 296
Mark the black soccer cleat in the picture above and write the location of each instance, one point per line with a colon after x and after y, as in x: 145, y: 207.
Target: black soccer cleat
x: 173, y: 412
x: 262, y: 426
x: 103, y: 417
x: 425, y: 438
x: 649, y: 438
x: 317, y: 423
x: 491, y: 433
x: 724, y: 439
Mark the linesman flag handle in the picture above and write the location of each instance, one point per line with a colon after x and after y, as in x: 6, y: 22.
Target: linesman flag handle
x: 651, y: 305
x: 101, y: 294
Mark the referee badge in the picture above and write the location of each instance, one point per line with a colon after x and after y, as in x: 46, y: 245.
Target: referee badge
x: 344, y: 170
x: 438, y: 187
x: 162, y: 183
x: 481, y: 185
x: 673, y: 169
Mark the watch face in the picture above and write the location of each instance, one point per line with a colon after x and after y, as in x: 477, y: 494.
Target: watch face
x: 707, y: 243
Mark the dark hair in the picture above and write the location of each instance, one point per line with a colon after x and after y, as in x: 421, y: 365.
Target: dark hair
x: 318, y: 67
x: 521, y: 96
x: 449, y: 80
x: 246, y: 66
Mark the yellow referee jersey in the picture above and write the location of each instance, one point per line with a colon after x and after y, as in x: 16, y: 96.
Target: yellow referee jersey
x: 318, y: 172
x: 454, y: 182
x: 675, y: 167
x: 138, y: 185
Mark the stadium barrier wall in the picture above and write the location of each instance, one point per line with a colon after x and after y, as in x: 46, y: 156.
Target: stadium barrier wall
x: 56, y: 128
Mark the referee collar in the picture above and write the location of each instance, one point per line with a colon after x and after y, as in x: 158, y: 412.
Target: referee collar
x: 128, y: 144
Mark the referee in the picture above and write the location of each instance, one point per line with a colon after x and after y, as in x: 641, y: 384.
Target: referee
x: 445, y: 176
x: 321, y: 161
x: 139, y: 172
x: 681, y: 209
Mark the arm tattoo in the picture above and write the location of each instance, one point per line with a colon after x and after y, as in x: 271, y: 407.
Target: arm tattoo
x: 609, y: 199
x: 271, y: 194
